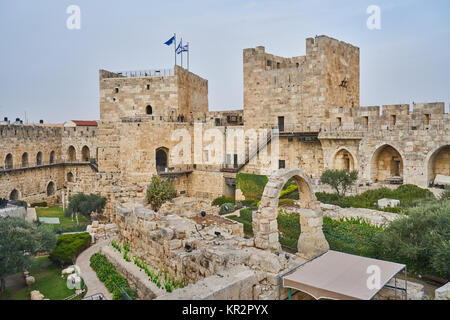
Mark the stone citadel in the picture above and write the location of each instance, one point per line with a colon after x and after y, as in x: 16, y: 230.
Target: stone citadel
x: 313, y: 101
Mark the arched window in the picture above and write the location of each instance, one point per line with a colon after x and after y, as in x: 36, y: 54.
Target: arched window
x: 14, y: 195
x: 161, y: 159
x: 72, y: 154
x: 69, y: 177
x: 52, y: 157
x: 39, y: 159
x: 50, y: 188
x: 86, y: 153
x: 9, y: 161
x: 149, y: 109
x: 25, y: 160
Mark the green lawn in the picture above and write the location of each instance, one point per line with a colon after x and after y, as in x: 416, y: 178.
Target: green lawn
x: 66, y: 222
x: 48, y: 282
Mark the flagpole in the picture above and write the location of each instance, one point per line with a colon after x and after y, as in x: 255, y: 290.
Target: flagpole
x: 181, y: 48
x: 175, y: 47
x: 189, y: 49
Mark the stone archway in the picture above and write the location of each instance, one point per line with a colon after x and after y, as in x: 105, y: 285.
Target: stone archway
x: 386, y: 162
x: 437, y: 162
x: 14, y: 195
x: 312, y: 241
x: 161, y: 159
x: 343, y: 159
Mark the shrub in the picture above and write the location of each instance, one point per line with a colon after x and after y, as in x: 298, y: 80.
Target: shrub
x: 446, y: 194
x: 340, y: 180
x: 110, y: 277
x: 251, y: 185
x: 420, y: 240
x: 285, y: 193
x: 85, y: 204
x: 69, y: 246
x: 222, y: 200
x: 39, y: 204
x: 227, y: 208
x: 159, y: 191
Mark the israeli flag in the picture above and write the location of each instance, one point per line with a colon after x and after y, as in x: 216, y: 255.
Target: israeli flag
x: 181, y: 48
x: 170, y: 41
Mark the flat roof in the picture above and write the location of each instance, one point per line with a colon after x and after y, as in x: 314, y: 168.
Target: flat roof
x: 340, y: 276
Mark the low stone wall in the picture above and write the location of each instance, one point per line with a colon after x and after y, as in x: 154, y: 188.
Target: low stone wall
x: 138, y: 280
x: 237, y: 283
x: 13, y: 211
x: 374, y: 217
x: 415, y: 291
x: 443, y: 293
x: 102, y: 231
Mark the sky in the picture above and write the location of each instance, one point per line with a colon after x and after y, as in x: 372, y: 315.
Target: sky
x: 50, y: 72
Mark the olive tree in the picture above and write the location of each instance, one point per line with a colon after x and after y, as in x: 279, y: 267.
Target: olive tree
x: 19, y: 242
x: 339, y: 180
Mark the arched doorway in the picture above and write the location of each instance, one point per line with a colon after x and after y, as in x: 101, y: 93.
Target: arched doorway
x: 72, y: 154
x: 343, y: 159
x: 161, y: 159
x: 69, y: 177
x: 52, y: 157
x: 149, y: 109
x: 312, y: 240
x: 386, y: 163
x: 25, y: 160
x: 9, y: 161
x: 14, y: 195
x: 39, y: 158
x: 86, y: 153
x: 50, y: 189
x: 439, y: 163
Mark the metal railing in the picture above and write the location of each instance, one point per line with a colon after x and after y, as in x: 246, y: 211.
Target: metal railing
x: 146, y: 73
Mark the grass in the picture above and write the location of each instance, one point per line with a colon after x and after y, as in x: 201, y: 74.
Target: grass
x: 48, y: 282
x: 409, y: 196
x: 66, y: 223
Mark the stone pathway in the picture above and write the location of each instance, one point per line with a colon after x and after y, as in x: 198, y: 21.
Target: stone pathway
x: 89, y: 276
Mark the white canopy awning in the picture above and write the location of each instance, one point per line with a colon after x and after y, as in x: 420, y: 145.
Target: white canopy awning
x: 337, y: 275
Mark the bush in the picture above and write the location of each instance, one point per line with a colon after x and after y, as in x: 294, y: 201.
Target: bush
x: 110, y: 277
x: 222, y: 200
x: 69, y: 246
x: 85, y: 204
x: 246, y: 219
x: 446, y: 194
x: 285, y: 193
x: 159, y: 191
x: 420, y: 240
x: 227, y: 208
x: 39, y: 204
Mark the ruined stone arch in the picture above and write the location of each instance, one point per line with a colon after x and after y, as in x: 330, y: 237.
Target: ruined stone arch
x: 162, y: 159
x: 71, y: 154
x: 51, y: 189
x: 85, y: 154
x: 9, y: 162
x: 437, y: 162
x: 386, y: 161
x: 265, y: 227
x: 343, y: 158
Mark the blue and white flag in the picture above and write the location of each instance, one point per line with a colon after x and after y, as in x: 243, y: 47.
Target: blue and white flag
x: 181, y: 48
x: 170, y: 41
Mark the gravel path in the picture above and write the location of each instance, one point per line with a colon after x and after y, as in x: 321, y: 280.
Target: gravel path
x: 89, y: 276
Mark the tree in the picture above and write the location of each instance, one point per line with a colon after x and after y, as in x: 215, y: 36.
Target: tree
x: 19, y: 242
x: 339, y: 180
x: 160, y: 191
x: 85, y: 204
